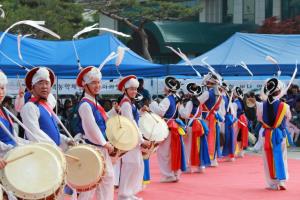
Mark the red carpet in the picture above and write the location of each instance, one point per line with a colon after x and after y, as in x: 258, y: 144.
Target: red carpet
x: 242, y: 179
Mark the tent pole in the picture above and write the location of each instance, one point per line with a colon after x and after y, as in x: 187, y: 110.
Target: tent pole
x: 56, y: 110
x: 157, y: 87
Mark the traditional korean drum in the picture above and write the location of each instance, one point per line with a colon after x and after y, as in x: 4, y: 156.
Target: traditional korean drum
x: 38, y: 175
x: 122, y: 134
x: 57, y: 152
x: 86, y: 169
x: 154, y: 129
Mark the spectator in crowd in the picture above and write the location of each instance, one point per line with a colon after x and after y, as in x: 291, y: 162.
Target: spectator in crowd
x: 107, y: 105
x: 144, y: 92
x: 292, y: 96
x: 74, y: 120
x: 66, y: 113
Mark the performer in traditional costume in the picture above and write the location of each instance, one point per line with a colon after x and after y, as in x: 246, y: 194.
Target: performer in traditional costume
x: 92, y: 125
x: 170, y: 153
x: 195, y: 141
x: 24, y: 96
x: 37, y: 115
x: 132, y: 166
x: 229, y: 138
x: 241, y: 126
x: 273, y: 114
x: 212, y: 101
x: 6, y: 143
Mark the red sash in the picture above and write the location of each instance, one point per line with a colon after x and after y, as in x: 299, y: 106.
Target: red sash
x: 42, y: 103
x: 282, y: 108
x: 6, y: 117
x: 211, y: 138
x: 197, y: 132
x: 175, y: 146
x: 242, y: 124
x: 98, y: 106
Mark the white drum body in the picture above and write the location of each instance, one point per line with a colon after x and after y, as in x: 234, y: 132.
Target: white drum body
x: 57, y: 152
x: 122, y: 133
x: 153, y: 127
x: 84, y: 174
x: 36, y: 176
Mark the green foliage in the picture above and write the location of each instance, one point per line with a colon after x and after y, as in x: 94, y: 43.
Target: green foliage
x: 151, y: 10
x: 62, y: 16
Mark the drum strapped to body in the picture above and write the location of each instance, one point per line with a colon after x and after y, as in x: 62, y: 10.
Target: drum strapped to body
x: 57, y: 152
x: 154, y: 129
x: 87, y: 172
x: 122, y: 134
x: 36, y: 176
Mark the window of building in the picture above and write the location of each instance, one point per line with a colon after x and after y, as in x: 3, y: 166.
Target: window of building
x: 228, y: 11
x: 290, y: 8
x: 249, y: 11
x: 269, y: 8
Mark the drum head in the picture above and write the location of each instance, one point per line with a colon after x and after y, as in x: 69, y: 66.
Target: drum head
x: 153, y: 127
x: 122, y: 133
x: 86, y: 172
x: 56, y: 151
x: 36, y: 176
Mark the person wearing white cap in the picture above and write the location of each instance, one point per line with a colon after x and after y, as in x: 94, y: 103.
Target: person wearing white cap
x: 37, y: 115
x: 92, y: 119
x: 212, y: 103
x: 169, y: 153
x: 195, y: 142
x: 6, y: 142
x: 132, y: 165
x: 24, y: 96
x: 274, y: 114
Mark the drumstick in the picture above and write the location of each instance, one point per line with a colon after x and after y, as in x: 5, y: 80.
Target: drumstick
x: 63, y: 126
x: 72, y: 157
x: 19, y: 157
x: 20, y: 123
x: 152, y: 116
x: 7, y: 132
x: 19, y: 82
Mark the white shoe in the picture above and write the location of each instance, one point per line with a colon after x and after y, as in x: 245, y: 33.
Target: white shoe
x: 273, y: 187
x: 214, y: 163
x: 230, y: 159
x: 187, y: 171
x: 200, y: 170
x: 170, y: 179
x: 241, y: 154
x: 137, y: 198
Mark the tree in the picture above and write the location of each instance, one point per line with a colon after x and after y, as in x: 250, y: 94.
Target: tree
x: 136, y: 13
x: 273, y: 26
x: 62, y: 16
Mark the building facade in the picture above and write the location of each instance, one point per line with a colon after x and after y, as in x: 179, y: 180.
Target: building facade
x: 247, y: 11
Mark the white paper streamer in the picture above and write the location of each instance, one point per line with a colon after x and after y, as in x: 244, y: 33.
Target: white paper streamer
x: 35, y: 24
x: 185, y: 58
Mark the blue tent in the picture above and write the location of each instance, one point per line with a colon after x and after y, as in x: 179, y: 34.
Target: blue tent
x: 60, y: 56
x: 252, y: 49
